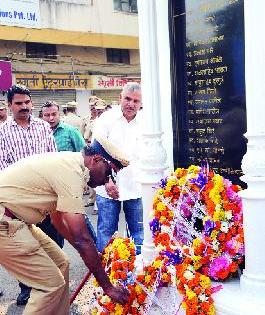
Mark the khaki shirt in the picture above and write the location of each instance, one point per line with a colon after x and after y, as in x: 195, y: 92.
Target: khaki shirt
x: 40, y: 184
x: 73, y: 120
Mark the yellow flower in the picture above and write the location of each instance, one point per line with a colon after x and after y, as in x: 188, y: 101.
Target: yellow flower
x: 157, y: 264
x: 190, y: 294
x: 211, y: 310
x: 147, y: 278
x: 124, y: 254
x: 214, y: 234
x: 219, y: 215
x: 160, y: 206
x: 118, y: 309
x: 196, y: 242
x: 171, y: 181
x: 196, y: 261
x: 182, y: 181
x: 205, y: 282
x: 138, y: 289
x: 193, y: 169
x: 184, y: 305
x: 95, y: 311
x: 162, y: 219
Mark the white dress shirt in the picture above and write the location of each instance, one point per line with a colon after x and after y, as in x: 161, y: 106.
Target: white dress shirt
x: 125, y: 135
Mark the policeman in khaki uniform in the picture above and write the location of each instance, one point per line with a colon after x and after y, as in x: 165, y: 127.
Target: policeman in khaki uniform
x: 71, y: 117
x: 3, y: 112
x: 96, y: 106
x: 52, y: 183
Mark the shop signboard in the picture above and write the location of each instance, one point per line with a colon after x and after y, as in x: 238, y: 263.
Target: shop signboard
x: 22, y: 13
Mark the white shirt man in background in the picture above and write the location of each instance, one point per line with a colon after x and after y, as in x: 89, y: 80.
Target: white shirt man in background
x: 121, y: 126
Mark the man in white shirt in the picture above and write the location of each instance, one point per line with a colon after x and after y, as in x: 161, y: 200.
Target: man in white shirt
x: 121, y: 126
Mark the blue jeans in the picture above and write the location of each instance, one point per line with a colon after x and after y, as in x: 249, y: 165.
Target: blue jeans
x: 108, y: 219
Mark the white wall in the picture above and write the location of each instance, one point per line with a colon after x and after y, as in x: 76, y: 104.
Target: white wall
x: 165, y: 81
x: 82, y: 97
x: 80, y: 15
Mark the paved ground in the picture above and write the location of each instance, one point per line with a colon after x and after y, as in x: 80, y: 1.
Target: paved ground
x: 77, y: 272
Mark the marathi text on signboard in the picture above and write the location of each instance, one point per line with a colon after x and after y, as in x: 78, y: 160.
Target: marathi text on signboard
x: 22, y: 13
x: 100, y: 82
x: 53, y: 81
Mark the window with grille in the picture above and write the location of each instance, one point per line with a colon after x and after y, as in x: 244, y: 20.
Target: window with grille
x: 40, y: 50
x: 126, y: 5
x: 116, y: 55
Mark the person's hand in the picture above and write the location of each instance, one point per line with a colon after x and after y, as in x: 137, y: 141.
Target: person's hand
x: 118, y: 294
x: 112, y: 190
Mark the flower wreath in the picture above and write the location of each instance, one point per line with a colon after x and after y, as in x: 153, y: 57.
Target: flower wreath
x: 197, y: 228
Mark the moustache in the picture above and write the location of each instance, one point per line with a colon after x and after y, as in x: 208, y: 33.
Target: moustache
x: 24, y: 111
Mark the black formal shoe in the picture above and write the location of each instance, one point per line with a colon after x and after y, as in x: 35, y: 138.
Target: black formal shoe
x: 1, y: 292
x: 23, y: 297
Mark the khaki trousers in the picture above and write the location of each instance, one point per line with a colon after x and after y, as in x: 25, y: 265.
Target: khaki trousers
x: 37, y: 261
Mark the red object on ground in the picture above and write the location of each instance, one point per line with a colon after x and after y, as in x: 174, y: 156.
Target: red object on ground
x: 78, y: 289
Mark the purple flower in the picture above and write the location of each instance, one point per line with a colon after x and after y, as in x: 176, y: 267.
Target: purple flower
x: 161, y: 184
x: 155, y: 226
x: 218, y: 265
x: 185, y: 211
x: 201, y: 180
x: 175, y: 258
x: 208, y: 227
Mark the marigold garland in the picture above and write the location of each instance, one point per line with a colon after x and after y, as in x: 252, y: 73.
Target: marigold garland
x: 198, y: 232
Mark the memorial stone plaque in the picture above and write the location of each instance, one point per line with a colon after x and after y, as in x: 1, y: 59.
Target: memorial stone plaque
x: 208, y: 84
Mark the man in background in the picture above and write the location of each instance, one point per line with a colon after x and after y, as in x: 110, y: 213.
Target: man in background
x: 97, y: 107
x: 67, y: 137
x: 3, y: 112
x: 71, y: 117
x: 121, y: 126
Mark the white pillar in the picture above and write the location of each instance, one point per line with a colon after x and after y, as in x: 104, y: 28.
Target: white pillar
x: 253, y: 279
x: 153, y: 156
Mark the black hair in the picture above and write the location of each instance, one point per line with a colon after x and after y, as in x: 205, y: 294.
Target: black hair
x: 49, y: 104
x: 70, y: 110
x: 17, y: 89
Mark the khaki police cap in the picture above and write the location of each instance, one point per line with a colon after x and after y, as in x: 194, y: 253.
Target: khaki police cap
x: 3, y: 105
x: 100, y: 104
x: 72, y: 104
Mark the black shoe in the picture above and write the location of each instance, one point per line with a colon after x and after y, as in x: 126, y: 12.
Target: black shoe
x: 1, y: 293
x: 23, y: 297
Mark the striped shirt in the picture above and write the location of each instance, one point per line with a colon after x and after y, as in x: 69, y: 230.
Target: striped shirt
x: 17, y: 142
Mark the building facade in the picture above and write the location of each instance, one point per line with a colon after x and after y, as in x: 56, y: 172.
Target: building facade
x: 70, y: 49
